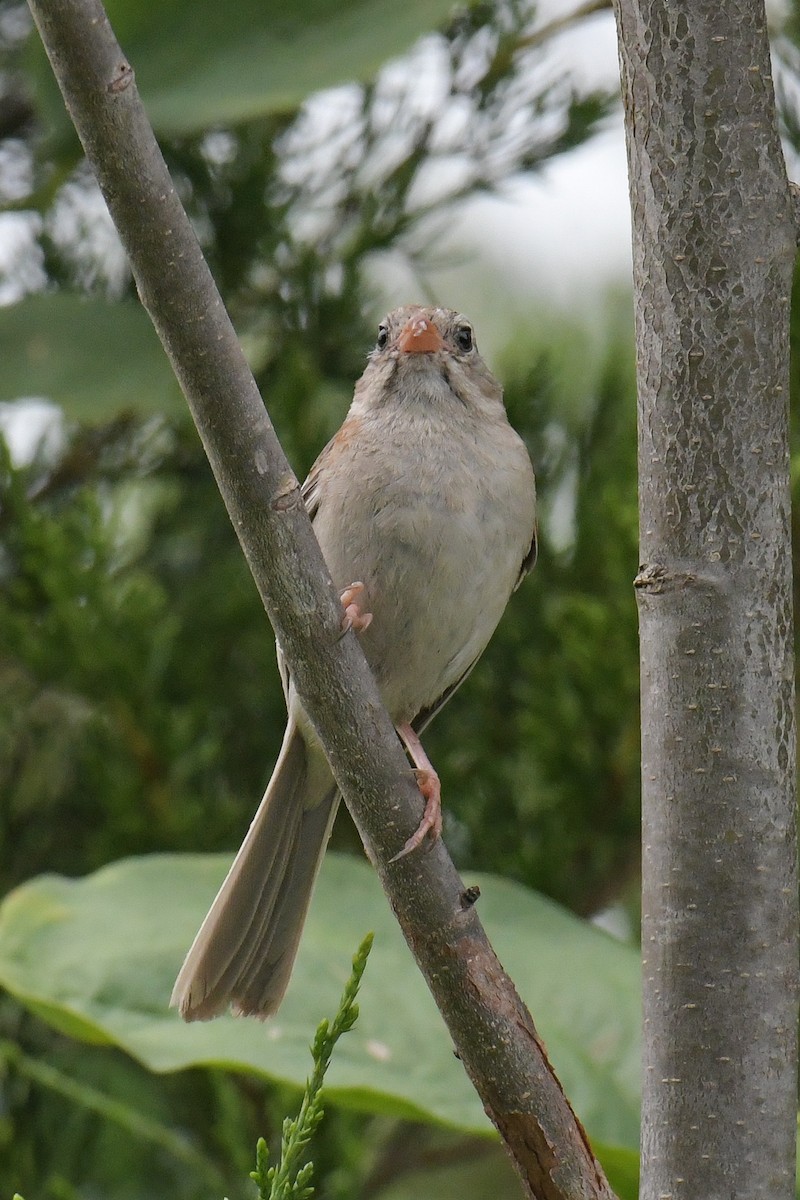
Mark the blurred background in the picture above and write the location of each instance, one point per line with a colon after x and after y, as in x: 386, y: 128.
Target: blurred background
x: 335, y: 162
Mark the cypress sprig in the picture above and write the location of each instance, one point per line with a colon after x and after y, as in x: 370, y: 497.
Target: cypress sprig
x: 288, y: 1180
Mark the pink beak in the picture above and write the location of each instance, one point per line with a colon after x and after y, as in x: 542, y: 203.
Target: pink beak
x: 420, y: 336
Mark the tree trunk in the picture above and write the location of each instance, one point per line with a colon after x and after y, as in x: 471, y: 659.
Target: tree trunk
x: 713, y: 250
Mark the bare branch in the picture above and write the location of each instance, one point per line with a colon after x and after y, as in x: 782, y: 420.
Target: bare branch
x: 563, y: 22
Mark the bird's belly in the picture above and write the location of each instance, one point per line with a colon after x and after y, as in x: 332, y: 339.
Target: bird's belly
x: 436, y: 582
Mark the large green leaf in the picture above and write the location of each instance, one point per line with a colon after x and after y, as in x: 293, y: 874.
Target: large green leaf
x: 94, y: 358
x: 200, y: 63
x: 96, y: 957
x: 482, y: 1171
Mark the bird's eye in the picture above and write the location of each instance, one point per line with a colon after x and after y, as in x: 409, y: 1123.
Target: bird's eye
x: 464, y: 339
x: 383, y: 337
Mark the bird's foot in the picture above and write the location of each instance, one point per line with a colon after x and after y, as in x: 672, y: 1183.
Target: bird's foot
x: 431, y: 789
x: 353, y: 617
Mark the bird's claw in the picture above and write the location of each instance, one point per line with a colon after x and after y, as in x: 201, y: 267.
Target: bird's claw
x: 353, y: 617
x: 431, y: 822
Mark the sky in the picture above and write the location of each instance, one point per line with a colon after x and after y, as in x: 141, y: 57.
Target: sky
x: 557, y: 241
x: 564, y: 236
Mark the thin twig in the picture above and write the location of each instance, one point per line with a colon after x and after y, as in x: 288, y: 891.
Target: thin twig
x: 541, y: 35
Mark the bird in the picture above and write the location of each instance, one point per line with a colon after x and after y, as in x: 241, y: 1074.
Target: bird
x: 424, y: 507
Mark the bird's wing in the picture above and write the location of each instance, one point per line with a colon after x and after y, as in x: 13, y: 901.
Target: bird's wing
x: 529, y: 561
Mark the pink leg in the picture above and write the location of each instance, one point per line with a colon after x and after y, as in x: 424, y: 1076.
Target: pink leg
x: 429, y: 786
x: 354, y: 618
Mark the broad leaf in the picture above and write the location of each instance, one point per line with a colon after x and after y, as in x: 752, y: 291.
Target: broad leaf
x: 200, y: 64
x: 94, y: 358
x: 97, y: 957
x: 481, y: 1170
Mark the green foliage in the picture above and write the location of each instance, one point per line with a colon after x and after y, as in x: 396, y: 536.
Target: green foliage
x: 96, y: 958
x: 149, y: 722
x: 290, y: 207
x: 200, y: 65
x: 103, y: 733
x: 54, y: 338
x: 140, y: 1117
x: 287, y: 1178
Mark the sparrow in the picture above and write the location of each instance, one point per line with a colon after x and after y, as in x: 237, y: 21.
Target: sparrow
x: 424, y: 507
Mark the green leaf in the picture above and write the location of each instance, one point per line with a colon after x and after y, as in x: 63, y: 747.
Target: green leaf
x: 621, y: 1166
x: 98, y: 957
x: 482, y: 1171
x: 199, y: 63
x: 93, y: 358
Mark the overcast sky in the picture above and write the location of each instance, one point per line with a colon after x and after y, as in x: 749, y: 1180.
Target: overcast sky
x: 570, y: 227
x: 556, y: 241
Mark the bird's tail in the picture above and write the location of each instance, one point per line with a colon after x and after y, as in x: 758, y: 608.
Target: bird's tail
x: 245, y: 949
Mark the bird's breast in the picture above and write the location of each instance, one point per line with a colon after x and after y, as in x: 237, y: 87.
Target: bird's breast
x: 438, y: 548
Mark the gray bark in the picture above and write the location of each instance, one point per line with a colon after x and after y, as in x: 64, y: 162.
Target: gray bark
x: 713, y: 249
x: 492, y: 1030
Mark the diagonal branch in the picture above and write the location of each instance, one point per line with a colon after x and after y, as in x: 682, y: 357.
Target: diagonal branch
x: 493, y: 1033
